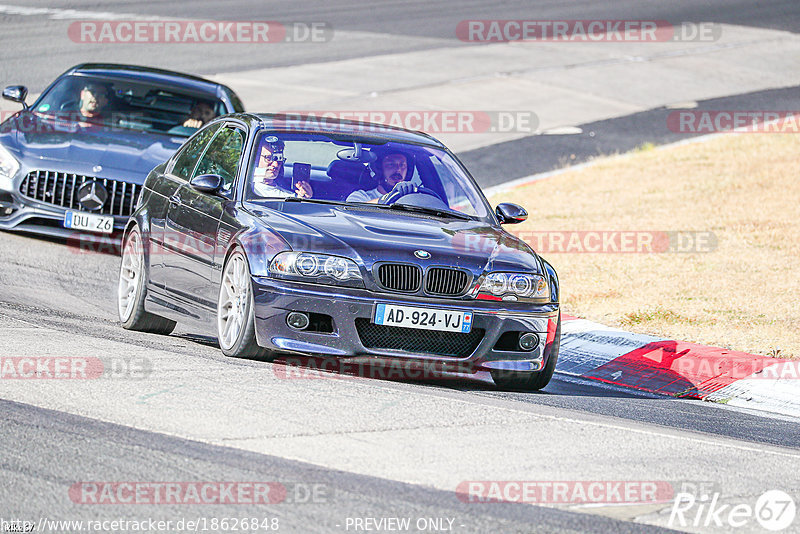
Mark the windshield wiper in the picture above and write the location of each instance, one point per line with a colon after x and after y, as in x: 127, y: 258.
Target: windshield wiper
x: 314, y: 200
x: 399, y: 207
x: 428, y: 211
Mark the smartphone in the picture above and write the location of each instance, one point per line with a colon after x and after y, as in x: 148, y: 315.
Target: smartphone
x: 301, y: 172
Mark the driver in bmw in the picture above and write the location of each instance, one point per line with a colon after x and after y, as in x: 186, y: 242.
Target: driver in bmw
x: 391, y: 171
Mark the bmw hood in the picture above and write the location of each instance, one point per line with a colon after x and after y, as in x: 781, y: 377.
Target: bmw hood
x: 122, y: 154
x: 377, y: 235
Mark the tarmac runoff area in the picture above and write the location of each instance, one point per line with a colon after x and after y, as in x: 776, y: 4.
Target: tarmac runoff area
x: 435, y: 437
x: 422, y: 434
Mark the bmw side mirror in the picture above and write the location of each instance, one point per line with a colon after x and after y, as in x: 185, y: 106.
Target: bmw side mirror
x: 207, y: 183
x: 509, y: 213
x: 16, y: 93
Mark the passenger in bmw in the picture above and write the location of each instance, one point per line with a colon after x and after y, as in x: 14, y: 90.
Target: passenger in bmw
x: 269, y: 168
x: 392, y: 170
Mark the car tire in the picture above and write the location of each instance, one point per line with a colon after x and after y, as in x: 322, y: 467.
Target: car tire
x: 131, y: 290
x: 236, y: 329
x: 516, y: 381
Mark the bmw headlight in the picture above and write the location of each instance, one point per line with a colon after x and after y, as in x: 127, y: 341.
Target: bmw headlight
x: 320, y: 268
x: 513, y: 286
x: 8, y: 163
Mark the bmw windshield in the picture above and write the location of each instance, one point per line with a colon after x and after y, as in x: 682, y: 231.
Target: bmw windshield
x: 362, y: 171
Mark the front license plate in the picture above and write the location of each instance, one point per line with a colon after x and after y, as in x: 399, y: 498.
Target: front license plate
x: 79, y: 220
x: 426, y: 318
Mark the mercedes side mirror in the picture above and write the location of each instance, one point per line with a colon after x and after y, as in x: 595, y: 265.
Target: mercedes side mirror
x: 509, y: 213
x: 16, y: 93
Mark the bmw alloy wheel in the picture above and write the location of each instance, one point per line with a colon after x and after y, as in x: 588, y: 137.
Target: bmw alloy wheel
x: 132, y: 289
x: 130, y: 276
x: 234, y: 296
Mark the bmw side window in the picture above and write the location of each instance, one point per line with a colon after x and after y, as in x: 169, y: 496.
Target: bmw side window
x: 191, y: 152
x: 223, y: 157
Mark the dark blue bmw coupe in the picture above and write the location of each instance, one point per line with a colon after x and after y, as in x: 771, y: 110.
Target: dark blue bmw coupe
x: 75, y: 160
x: 279, y: 235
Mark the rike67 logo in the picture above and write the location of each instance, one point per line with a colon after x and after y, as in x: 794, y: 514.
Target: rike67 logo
x: 696, y: 507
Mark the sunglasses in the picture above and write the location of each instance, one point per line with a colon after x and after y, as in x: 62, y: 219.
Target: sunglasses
x: 276, y: 157
x: 97, y: 93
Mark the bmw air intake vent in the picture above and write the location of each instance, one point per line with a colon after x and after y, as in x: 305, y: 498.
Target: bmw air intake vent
x: 417, y: 341
x: 399, y: 277
x: 445, y: 282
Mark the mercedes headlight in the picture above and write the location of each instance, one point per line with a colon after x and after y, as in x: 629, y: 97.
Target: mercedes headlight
x: 513, y: 286
x: 319, y: 268
x: 8, y: 163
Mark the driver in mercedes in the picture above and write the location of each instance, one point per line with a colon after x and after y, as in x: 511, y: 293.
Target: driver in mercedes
x: 392, y: 172
x: 93, y: 103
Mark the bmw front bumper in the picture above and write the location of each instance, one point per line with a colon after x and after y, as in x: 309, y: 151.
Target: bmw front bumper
x: 275, y: 299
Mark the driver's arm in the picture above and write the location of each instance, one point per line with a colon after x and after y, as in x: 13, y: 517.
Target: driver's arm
x: 402, y: 189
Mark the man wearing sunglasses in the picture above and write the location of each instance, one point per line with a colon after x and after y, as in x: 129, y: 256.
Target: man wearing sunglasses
x: 269, y: 167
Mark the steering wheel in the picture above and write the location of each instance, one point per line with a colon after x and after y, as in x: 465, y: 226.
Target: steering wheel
x: 393, y: 196
x: 70, y: 105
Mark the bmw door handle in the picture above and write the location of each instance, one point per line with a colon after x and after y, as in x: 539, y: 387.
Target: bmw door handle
x: 175, y: 201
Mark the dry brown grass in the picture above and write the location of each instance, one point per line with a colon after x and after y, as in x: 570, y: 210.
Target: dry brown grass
x: 745, y: 188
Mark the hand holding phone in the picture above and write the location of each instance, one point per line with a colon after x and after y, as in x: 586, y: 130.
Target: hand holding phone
x: 301, y: 172
x: 301, y: 180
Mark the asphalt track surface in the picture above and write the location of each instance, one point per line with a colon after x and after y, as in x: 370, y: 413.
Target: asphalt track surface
x: 410, y: 24
x: 45, y: 284
x: 392, y: 28
x: 542, y: 153
x: 148, y: 456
